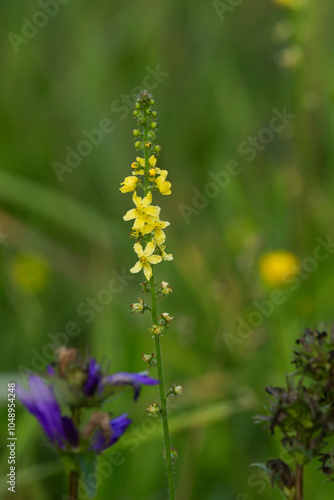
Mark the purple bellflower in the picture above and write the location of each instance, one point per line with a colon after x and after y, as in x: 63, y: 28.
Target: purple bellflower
x: 42, y: 403
x: 98, y: 384
x: 61, y: 430
x: 81, y: 385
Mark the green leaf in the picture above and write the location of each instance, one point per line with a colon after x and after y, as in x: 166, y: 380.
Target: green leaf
x: 88, y: 464
x: 57, y: 207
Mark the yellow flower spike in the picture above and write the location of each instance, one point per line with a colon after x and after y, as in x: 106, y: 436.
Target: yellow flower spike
x: 143, y: 212
x: 157, y: 226
x: 129, y: 184
x: 275, y: 267
x: 145, y: 259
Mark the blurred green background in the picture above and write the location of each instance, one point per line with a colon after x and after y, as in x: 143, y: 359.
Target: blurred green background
x: 217, y: 71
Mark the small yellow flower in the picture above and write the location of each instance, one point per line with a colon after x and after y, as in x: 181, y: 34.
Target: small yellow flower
x: 129, y: 184
x: 152, y: 172
x: 276, y: 266
x: 145, y: 259
x: 163, y: 185
x: 157, y: 226
x: 137, y: 166
x: 165, y: 256
x: 143, y: 212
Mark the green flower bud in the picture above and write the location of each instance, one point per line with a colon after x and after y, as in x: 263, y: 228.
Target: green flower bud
x: 154, y: 125
x: 154, y: 114
x: 151, y: 135
x: 135, y: 132
x: 157, y: 148
x: 138, y: 144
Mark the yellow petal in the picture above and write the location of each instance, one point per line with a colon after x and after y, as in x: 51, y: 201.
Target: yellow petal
x: 150, y: 247
x: 138, y: 249
x: 141, y: 161
x: 130, y: 214
x: 152, y: 161
x: 163, y: 174
x: 153, y: 211
x: 136, y: 199
x: 154, y: 259
x: 147, y: 271
x: 159, y: 236
x: 167, y: 256
x: 136, y: 268
x: 139, y: 222
x: 147, y: 200
x: 148, y: 228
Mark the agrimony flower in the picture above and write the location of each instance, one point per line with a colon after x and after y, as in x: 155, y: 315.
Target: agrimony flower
x: 165, y: 256
x: 146, y: 258
x: 143, y: 212
x: 163, y: 185
x: 129, y: 184
x: 157, y: 227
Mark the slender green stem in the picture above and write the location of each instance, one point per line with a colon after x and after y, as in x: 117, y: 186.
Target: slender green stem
x: 74, y: 474
x: 163, y: 399
x: 299, y: 482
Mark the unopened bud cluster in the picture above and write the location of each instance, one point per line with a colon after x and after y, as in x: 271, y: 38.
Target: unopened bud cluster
x: 150, y: 359
x: 139, y: 307
x: 153, y: 410
x: 175, y: 390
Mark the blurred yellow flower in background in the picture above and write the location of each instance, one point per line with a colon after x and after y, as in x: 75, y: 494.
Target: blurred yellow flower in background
x: 29, y: 272
x: 276, y: 266
x: 291, y: 4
